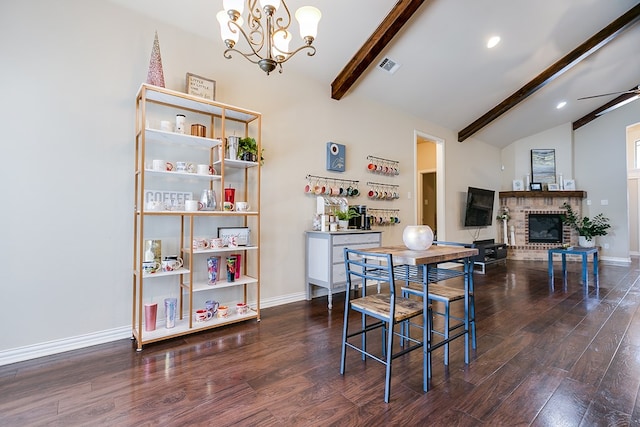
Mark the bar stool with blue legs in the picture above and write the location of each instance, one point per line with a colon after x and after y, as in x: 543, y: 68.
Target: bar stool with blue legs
x: 378, y: 310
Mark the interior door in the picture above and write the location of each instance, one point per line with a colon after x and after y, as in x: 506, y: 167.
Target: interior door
x: 429, y: 200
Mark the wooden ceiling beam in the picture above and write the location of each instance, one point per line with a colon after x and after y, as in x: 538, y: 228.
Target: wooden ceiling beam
x: 598, y: 111
x: 594, y: 43
x: 386, y: 31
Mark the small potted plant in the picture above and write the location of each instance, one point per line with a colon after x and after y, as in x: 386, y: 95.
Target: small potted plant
x: 345, y: 216
x: 586, y: 227
x: 248, y: 150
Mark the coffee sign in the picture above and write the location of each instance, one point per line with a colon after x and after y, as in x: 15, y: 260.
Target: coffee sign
x: 165, y: 197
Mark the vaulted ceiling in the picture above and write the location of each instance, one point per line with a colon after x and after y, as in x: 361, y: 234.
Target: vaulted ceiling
x: 550, y: 51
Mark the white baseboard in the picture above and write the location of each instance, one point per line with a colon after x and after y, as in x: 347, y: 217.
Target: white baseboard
x: 615, y: 261
x: 48, y: 348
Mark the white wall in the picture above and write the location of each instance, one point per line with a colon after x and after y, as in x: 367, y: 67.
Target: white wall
x: 601, y: 169
x: 516, y: 157
x: 70, y: 72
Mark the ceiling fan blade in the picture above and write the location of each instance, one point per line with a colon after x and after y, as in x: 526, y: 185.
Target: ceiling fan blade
x: 608, y: 94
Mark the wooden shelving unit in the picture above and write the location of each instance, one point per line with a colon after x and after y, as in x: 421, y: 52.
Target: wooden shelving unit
x: 222, y: 120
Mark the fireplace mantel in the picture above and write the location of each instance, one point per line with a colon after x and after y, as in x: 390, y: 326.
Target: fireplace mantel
x: 580, y: 194
x: 521, y: 203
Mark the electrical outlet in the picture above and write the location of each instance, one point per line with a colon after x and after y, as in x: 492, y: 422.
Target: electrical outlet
x: 604, y: 202
x: 588, y: 202
x: 606, y: 246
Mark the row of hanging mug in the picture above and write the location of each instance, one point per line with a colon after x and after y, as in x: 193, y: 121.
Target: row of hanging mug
x: 383, y: 166
x: 322, y: 186
x: 384, y: 217
x: 383, y: 192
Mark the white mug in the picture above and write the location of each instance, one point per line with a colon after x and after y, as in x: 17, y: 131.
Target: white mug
x: 165, y: 126
x: 159, y: 165
x: 171, y: 264
x: 150, y: 266
x: 202, y: 315
x: 200, y: 243
x: 155, y: 205
x: 192, y: 205
x: 204, y: 169
x: 242, y: 206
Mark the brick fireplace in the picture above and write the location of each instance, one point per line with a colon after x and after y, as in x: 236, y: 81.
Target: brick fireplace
x: 523, y: 203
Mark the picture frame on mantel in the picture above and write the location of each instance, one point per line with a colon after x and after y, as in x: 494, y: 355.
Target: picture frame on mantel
x: 570, y: 185
x: 536, y: 186
x: 518, y: 185
x: 201, y: 87
x: 543, y: 165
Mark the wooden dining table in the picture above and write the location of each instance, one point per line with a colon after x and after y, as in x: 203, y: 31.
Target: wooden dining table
x: 426, y: 269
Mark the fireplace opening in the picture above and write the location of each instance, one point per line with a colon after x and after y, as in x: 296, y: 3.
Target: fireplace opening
x: 545, y: 228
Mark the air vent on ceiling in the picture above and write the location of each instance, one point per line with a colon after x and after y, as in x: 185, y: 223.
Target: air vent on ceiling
x: 388, y: 65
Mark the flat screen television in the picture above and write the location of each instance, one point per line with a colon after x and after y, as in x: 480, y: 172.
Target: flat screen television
x: 479, y: 207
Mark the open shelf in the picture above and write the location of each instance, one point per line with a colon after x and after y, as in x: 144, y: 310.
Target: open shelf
x: 182, y: 326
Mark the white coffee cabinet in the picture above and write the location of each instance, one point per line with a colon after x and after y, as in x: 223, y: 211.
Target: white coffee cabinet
x: 324, y: 264
x: 160, y: 215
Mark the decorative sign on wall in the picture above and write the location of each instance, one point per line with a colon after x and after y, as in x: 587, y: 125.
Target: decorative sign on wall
x: 336, y: 157
x: 199, y: 86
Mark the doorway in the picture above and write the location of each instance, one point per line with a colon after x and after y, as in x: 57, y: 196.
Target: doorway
x: 429, y: 191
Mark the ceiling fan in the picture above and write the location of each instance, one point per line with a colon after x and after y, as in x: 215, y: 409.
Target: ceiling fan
x: 626, y: 96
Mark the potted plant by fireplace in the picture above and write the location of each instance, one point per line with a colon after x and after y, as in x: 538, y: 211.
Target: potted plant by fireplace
x: 587, y: 228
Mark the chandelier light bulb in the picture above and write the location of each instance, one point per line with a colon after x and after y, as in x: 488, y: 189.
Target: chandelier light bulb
x: 275, y: 4
x: 237, y: 5
x: 281, y: 41
x: 228, y: 34
x: 308, y: 18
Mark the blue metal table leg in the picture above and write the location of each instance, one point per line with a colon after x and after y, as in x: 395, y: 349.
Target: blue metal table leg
x: 426, y: 331
x: 466, y: 311
x: 595, y: 268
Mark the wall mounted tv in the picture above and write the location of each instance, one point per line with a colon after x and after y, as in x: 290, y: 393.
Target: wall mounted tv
x: 479, y: 207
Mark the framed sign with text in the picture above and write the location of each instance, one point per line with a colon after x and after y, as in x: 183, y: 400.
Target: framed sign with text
x: 200, y: 86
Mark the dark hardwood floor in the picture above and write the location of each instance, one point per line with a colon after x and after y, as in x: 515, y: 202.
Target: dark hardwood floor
x: 545, y: 357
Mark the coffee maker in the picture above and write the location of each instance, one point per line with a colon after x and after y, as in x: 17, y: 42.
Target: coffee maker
x: 360, y: 222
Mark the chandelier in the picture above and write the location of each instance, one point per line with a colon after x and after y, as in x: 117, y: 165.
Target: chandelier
x: 268, y: 41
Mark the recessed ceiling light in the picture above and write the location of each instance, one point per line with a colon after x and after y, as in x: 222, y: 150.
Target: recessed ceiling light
x: 561, y: 104
x: 493, y: 41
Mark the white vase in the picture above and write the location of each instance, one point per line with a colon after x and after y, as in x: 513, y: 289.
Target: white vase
x: 343, y: 224
x: 417, y: 237
x: 584, y: 243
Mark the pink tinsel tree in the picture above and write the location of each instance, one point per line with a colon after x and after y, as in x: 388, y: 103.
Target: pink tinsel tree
x: 155, y: 76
